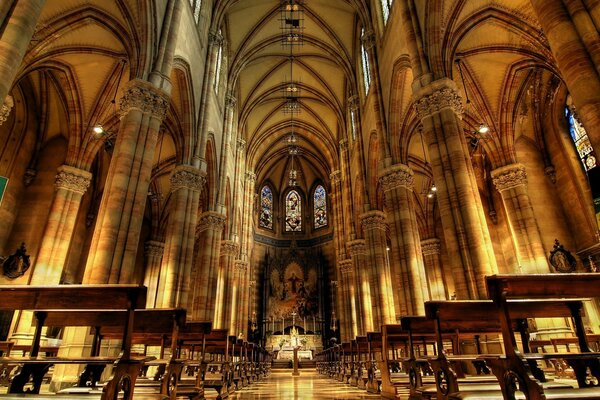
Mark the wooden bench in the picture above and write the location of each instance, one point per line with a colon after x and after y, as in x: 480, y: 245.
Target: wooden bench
x: 374, y: 346
x: 362, y: 348
x: 75, y: 297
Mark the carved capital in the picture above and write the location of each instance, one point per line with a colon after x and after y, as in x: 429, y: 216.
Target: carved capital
x: 141, y: 95
x: 241, y: 266
x: 373, y: 220
x: 343, y: 145
x: 336, y: 177
x: 5, y: 109
x: 187, y: 177
x: 230, y: 101
x: 250, y: 176
x: 72, y: 179
x: 357, y: 247
x: 509, y: 177
x: 430, y: 247
x: 353, y: 102
x: 229, y: 248
x: 211, y: 220
x: 345, y: 266
x: 368, y: 39
x: 436, y: 97
x: 153, y: 248
x: 397, y: 176
x: 241, y: 144
x: 215, y: 39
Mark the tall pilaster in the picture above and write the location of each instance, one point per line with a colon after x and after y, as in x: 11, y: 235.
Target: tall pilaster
x: 382, y: 299
x: 71, y: 184
x: 115, y: 242
x: 350, y: 301
x: 406, y: 260
x: 511, y: 182
x: 248, y: 214
x: 153, y: 251
x: 16, y: 29
x: 358, y: 254
x: 240, y: 315
x: 205, y: 276
x: 436, y: 280
x: 466, y: 233
x: 228, y: 286
x: 176, y: 268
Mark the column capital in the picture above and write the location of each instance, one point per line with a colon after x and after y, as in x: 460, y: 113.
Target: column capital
x: 250, y: 176
x: 241, y: 265
x: 436, y: 97
x: 509, y: 177
x: 430, y: 247
x: 215, y: 39
x: 368, y: 39
x: 229, y: 248
x: 211, y: 220
x: 7, y: 105
x: 353, y: 102
x: 187, y: 177
x: 345, y: 266
x: 336, y: 177
x: 154, y: 248
x: 373, y: 220
x: 397, y: 176
x: 230, y: 101
x: 343, y: 145
x: 143, y: 96
x: 356, y: 247
x: 72, y: 179
x: 241, y: 144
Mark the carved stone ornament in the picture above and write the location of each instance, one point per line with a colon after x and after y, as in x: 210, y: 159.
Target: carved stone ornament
x: 187, y: 177
x: 230, y: 101
x: 16, y: 264
x: 5, y: 109
x: 397, y: 176
x: 241, y: 266
x: 154, y: 248
x: 250, y: 176
x: 241, y: 144
x: 343, y: 145
x: 368, y: 40
x: 215, y: 39
x: 72, y: 179
x: 430, y: 247
x: 345, y: 266
x: 436, y: 97
x: 357, y: 247
x: 211, y: 220
x: 373, y: 220
x: 509, y: 177
x: 353, y: 102
x: 335, y: 176
x: 229, y: 248
x: 141, y: 95
x: 561, y: 259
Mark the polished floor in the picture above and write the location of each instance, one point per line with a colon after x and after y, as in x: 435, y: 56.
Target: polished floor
x: 309, y: 385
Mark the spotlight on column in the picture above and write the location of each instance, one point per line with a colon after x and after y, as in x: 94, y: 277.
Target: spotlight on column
x: 483, y: 129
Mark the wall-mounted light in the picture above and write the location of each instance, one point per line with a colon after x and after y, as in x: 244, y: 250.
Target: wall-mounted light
x: 483, y: 129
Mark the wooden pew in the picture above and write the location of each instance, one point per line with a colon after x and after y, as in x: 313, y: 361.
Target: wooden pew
x: 76, y: 297
x: 215, y: 363
x: 374, y: 346
x: 514, y: 369
x: 362, y: 347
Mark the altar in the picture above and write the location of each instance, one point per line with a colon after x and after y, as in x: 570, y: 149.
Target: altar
x: 288, y: 354
x: 284, y: 346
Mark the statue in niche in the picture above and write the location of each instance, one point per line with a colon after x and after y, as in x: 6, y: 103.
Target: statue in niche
x: 16, y: 264
x: 561, y: 259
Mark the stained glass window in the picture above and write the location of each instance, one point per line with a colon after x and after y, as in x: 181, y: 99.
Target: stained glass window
x: 320, y: 207
x: 353, y: 123
x: 366, y: 68
x: 293, y: 212
x: 386, y: 8
x: 197, y: 8
x: 581, y: 140
x: 266, y: 208
x: 218, y: 66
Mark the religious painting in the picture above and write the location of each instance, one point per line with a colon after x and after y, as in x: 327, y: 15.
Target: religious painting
x: 293, y: 290
x: 293, y: 212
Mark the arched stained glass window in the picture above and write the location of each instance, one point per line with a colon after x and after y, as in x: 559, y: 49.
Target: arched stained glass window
x: 366, y: 68
x: 386, y: 8
x: 293, y: 212
x: 266, y: 208
x: 197, y: 7
x: 320, y: 207
x: 581, y: 140
x: 218, y: 66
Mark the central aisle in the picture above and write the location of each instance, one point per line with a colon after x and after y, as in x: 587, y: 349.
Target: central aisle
x: 309, y: 385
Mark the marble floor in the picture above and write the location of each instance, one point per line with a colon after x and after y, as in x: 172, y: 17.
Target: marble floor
x: 309, y: 385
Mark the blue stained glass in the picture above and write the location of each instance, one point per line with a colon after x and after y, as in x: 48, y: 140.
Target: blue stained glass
x: 266, y: 208
x: 293, y: 212
x: 320, y: 207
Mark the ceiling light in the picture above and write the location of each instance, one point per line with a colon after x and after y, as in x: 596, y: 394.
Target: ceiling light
x: 430, y: 195
x: 98, y: 130
x: 483, y: 128
x: 433, y: 188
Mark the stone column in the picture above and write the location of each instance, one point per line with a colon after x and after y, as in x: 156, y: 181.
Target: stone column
x: 358, y: 254
x: 153, y: 251
x: 204, y: 278
x: 71, y: 184
x: 436, y: 281
x: 115, y: 242
x: 374, y: 228
x: 16, y: 29
x: 350, y: 303
x: 466, y: 233
x: 573, y: 40
x: 511, y: 182
x: 176, y: 269
x: 248, y: 214
x: 227, y: 287
x: 406, y: 261
x: 240, y: 314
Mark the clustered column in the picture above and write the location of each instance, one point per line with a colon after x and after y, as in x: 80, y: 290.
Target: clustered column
x: 227, y: 288
x: 350, y: 300
x: 406, y: 261
x: 468, y: 241
x: 204, y: 277
x: 115, y: 242
x: 153, y: 251
x: 511, y: 182
x: 438, y: 287
x: 71, y: 184
x: 176, y: 269
x: 358, y: 253
x: 380, y: 280
x: 240, y: 314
